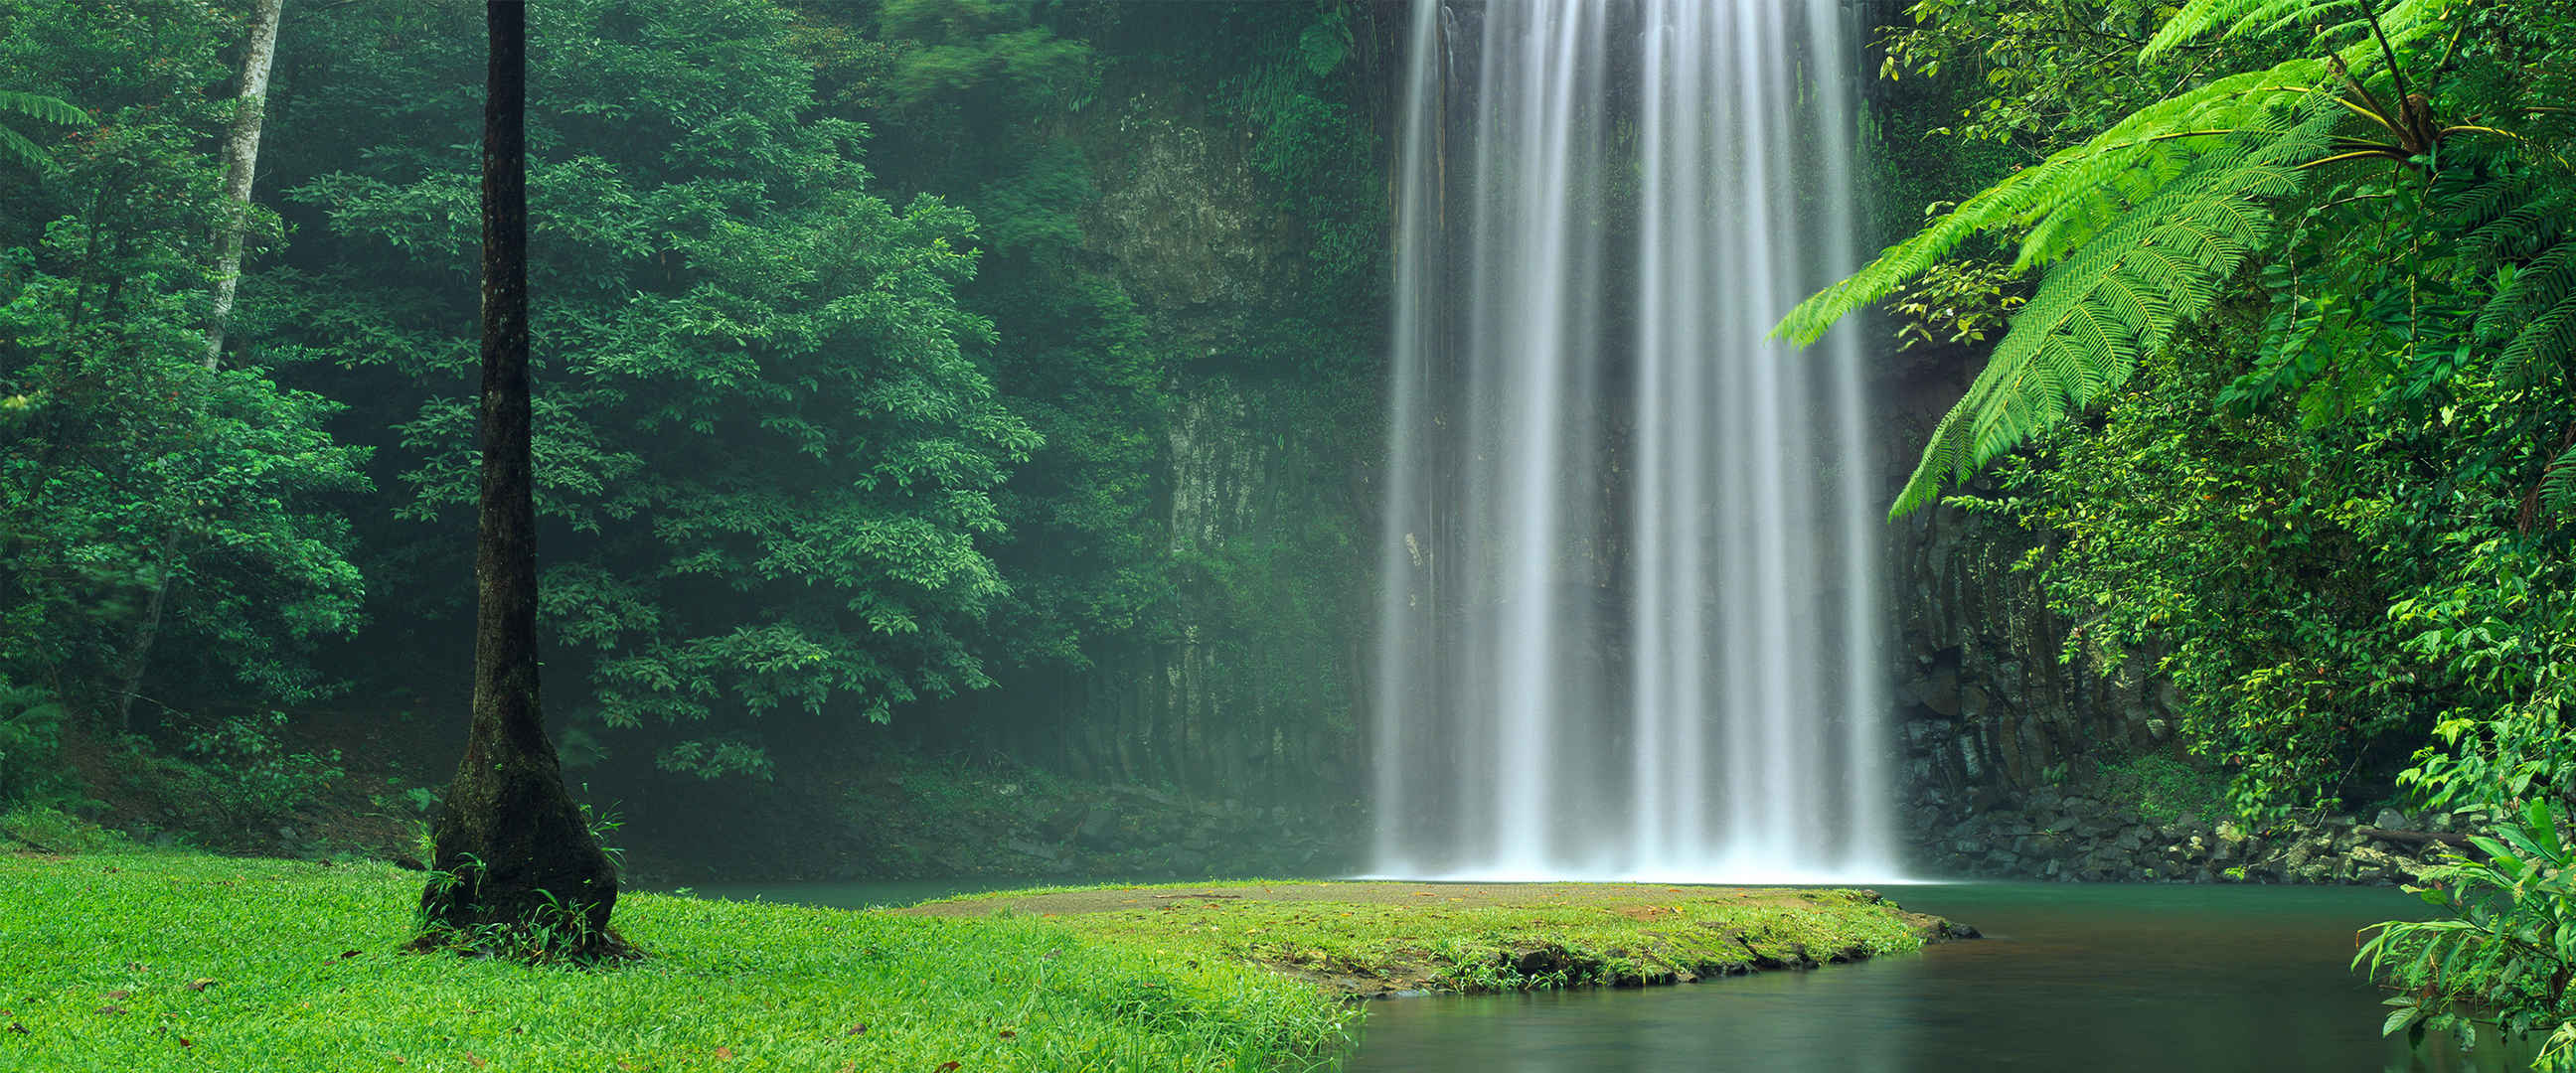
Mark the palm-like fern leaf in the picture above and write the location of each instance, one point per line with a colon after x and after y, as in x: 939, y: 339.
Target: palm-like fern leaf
x: 2558, y: 485
x: 2339, y: 23
x: 16, y: 148
x: 2524, y: 233
x: 2120, y: 296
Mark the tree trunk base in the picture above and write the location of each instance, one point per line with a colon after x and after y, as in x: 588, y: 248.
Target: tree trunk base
x: 517, y: 871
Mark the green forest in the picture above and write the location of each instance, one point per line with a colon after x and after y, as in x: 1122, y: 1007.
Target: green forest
x: 958, y: 457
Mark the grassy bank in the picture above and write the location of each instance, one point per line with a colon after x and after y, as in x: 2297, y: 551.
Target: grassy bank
x: 117, y: 959
x: 127, y: 961
x: 1376, y: 937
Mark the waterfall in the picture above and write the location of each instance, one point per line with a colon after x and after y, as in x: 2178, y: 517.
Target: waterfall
x: 1628, y: 624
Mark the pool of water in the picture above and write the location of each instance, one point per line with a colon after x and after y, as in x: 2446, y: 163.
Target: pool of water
x: 2097, y: 978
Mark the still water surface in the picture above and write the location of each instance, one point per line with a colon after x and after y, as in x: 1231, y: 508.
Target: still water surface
x: 2096, y: 978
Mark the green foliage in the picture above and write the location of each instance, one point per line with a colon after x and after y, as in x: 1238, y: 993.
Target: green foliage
x: 763, y: 433
x: 2142, y: 226
x: 2166, y: 788
x: 31, y: 726
x: 2504, y: 950
x: 254, y: 777
x: 160, y: 519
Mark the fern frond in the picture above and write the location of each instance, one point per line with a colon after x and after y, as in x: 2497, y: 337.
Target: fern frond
x: 2558, y: 485
x: 2539, y: 349
x: 16, y: 148
x: 2062, y: 202
x: 39, y: 107
x: 2120, y: 297
x: 2405, y: 23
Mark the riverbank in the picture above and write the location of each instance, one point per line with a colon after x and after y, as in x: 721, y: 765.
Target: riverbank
x: 1392, y: 938
x: 131, y: 959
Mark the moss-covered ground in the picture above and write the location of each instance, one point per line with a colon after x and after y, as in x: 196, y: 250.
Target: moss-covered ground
x: 1377, y: 937
x: 118, y: 959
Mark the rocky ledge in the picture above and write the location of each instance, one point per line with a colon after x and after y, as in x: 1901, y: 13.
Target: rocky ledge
x: 2076, y: 838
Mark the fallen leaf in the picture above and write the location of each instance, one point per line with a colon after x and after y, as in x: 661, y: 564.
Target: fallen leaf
x: 120, y: 995
x: 111, y: 1010
x: 849, y: 1067
x: 347, y: 954
x: 201, y: 983
x: 947, y: 1066
x: 858, y: 1029
x: 476, y: 1060
x: 17, y: 1028
x: 186, y: 1042
x: 724, y: 1054
x: 1007, y: 1033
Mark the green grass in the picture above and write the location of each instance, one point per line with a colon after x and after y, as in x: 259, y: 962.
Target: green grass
x: 1372, y: 936
x: 105, y: 960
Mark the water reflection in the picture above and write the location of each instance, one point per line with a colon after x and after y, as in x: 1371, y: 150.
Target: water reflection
x: 2092, y: 978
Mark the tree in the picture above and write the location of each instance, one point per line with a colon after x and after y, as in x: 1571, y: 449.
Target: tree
x: 513, y: 852
x: 126, y: 467
x: 769, y: 451
x: 241, y: 159
x: 241, y: 163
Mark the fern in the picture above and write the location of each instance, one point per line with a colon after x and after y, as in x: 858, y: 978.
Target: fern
x: 2120, y: 297
x: 2137, y: 228
x: 2064, y: 200
x: 2522, y: 234
x: 16, y: 148
x: 2404, y: 23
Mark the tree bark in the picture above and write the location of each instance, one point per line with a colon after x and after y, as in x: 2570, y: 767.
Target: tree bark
x: 513, y: 851
x: 241, y: 160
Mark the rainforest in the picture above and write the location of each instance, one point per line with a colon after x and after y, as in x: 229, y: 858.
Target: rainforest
x: 1288, y: 534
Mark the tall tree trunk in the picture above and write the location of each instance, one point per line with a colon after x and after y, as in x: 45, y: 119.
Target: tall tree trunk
x: 512, y: 849
x: 241, y: 160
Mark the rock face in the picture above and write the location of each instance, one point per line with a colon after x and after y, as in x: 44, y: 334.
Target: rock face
x: 1987, y: 713
x: 2060, y: 837
x: 1243, y: 683
x: 1999, y: 739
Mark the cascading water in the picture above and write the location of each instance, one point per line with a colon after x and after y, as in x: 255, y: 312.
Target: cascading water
x: 1628, y: 624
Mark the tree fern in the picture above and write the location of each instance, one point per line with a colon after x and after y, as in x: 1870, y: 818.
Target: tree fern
x: 2523, y: 237
x: 2123, y: 294
x: 2350, y: 22
x: 18, y: 149
x: 2558, y: 485
x: 2063, y: 200
x: 2138, y: 227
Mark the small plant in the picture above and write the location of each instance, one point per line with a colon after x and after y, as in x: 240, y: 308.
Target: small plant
x: 2166, y: 789
x: 252, y: 776
x: 30, y: 725
x: 2505, y: 950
